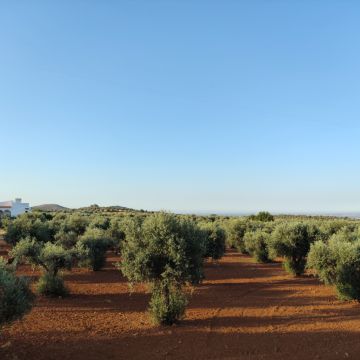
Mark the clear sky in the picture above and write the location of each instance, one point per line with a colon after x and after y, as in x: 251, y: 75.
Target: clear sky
x: 181, y: 105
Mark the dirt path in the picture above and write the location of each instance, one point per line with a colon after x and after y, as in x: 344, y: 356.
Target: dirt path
x: 242, y: 311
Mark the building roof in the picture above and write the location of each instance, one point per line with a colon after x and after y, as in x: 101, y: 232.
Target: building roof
x: 6, y: 204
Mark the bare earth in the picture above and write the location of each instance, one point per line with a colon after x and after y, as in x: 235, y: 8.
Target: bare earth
x: 243, y: 310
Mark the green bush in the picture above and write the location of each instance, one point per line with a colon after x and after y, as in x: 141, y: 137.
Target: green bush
x: 100, y: 222
x: 165, y: 251
x: 116, y: 232
x: 214, y: 241
x: 292, y: 241
x: 262, y: 216
x: 51, y: 258
x: 337, y: 263
x: 5, y: 219
x: 28, y: 225
x: 167, y: 304
x: 235, y: 231
x: 15, y: 296
x: 51, y: 285
x: 76, y: 223
x: 256, y: 243
x: 95, y: 243
x: 66, y: 239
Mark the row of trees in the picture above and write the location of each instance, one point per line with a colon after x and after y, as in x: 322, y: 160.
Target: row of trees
x: 163, y: 250
x: 168, y: 251
x: 328, y: 248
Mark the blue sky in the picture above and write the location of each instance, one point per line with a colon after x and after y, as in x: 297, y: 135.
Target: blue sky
x: 220, y: 106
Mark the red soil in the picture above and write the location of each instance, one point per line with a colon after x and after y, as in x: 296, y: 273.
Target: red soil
x: 242, y: 311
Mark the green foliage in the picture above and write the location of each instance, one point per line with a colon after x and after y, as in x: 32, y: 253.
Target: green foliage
x: 50, y: 257
x: 51, y: 285
x: 292, y: 241
x: 100, y: 222
x: 167, y: 252
x: 95, y: 243
x: 164, y: 246
x: 167, y: 304
x: 235, y: 231
x: 76, y: 223
x: 262, y: 216
x: 256, y: 243
x: 15, y: 296
x: 4, y: 220
x: 337, y: 263
x: 214, y: 240
x: 66, y: 239
x: 28, y: 225
x: 116, y: 231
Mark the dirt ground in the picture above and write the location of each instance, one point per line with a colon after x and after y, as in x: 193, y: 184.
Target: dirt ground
x: 243, y: 310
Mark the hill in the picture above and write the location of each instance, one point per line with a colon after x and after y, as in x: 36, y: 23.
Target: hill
x: 50, y: 207
x: 115, y: 208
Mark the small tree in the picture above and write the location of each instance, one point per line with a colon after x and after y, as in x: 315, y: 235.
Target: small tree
x: 100, y: 222
x: 167, y: 252
x: 66, y: 239
x: 256, y: 243
x: 235, y: 231
x: 4, y: 220
x: 95, y: 243
x: 15, y: 296
x: 262, y: 216
x: 51, y: 258
x: 76, y: 223
x: 28, y: 225
x: 292, y: 241
x: 116, y: 232
x: 337, y: 263
x: 214, y: 241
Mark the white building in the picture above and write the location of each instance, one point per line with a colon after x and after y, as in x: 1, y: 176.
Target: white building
x: 14, y: 208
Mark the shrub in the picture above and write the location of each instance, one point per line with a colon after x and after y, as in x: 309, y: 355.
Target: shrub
x: 66, y: 239
x: 337, y: 263
x: 4, y: 220
x: 51, y: 258
x: 256, y: 243
x: 100, y: 222
x: 235, y: 232
x: 95, y: 243
x: 15, y: 296
x: 165, y: 251
x: 28, y: 225
x: 292, y: 241
x: 167, y: 304
x: 51, y: 285
x: 214, y: 241
x: 262, y: 216
x: 76, y: 223
x: 116, y: 232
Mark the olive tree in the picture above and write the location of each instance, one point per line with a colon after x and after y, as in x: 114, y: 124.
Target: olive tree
x: 165, y: 251
x: 95, y: 243
x: 337, y: 263
x: 256, y: 243
x: 51, y: 258
x: 262, y: 216
x: 292, y: 241
x: 235, y: 231
x: 15, y: 296
x: 214, y: 240
x: 76, y: 223
x: 28, y: 225
x: 116, y: 232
